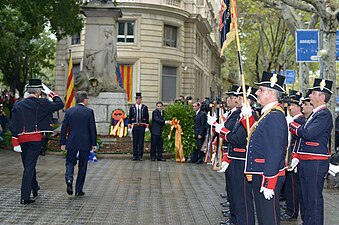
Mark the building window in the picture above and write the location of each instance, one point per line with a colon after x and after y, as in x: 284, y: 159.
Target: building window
x: 199, y: 46
x: 76, y: 39
x: 169, y: 83
x: 173, y: 2
x: 126, y: 31
x: 170, y: 36
x: 76, y: 70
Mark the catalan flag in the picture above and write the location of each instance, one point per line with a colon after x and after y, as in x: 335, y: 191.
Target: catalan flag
x: 228, y: 20
x: 70, y: 100
x: 124, y: 78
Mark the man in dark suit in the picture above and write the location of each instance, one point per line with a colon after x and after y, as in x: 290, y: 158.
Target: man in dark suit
x: 158, y: 122
x: 79, y: 124
x: 200, y: 129
x: 138, y: 124
x: 30, y: 119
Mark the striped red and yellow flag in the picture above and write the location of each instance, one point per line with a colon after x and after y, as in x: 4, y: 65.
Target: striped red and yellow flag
x: 70, y: 100
x: 125, y: 79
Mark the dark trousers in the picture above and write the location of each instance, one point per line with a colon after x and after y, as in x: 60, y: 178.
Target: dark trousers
x: 230, y: 192
x: 156, y: 146
x: 71, y: 161
x: 268, y: 211
x: 243, y: 198
x: 44, y: 143
x: 29, y: 157
x: 197, y: 154
x: 138, y: 141
x: 293, y: 195
x: 312, y: 177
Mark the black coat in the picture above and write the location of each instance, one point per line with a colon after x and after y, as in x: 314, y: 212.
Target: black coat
x: 133, y: 114
x: 200, y: 121
x: 158, y: 122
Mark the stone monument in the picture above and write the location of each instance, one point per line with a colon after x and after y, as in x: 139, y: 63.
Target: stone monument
x: 98, y: 76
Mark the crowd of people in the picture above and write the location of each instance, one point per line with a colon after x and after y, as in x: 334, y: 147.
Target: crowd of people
x: 279, y: 150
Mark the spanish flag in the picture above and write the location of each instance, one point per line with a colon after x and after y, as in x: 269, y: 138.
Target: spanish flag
x: 70, y: 100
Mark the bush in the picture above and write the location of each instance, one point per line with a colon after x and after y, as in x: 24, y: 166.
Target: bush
x: 185, y: 114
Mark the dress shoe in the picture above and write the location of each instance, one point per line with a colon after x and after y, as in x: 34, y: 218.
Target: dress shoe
x: 81, y: 193
x: 226, y: 214
x: 25, y: 202
x: 35, y: 192
x: 140, y: 159
x: 152, y: 159
x: 225, y: 210
x: 225, y: 204
x: 134, y: 159
x: 223, y: 195
x: 286, y: 217
x: 69, y: 187
x: 227, y: 222
x: 161, y: 160
x: 200, y: 161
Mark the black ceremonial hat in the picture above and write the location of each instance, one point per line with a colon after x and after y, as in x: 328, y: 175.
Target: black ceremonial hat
x: 250, y: 93
x: 307, y: 97
x: 322, y: 85
x: 138, y: 95
x: 34, y: 83
x: 295, y: 97
x: 271, y: 80
x: 235, y: 90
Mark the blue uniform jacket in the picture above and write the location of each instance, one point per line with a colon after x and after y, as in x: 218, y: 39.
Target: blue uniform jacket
x: 133, y: 114
x: 33, y: 115
x: 267, y: 145
x: 315, y: 134
x: 79, y: 125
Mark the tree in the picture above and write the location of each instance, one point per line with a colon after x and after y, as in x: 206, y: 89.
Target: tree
x: 25, y: 46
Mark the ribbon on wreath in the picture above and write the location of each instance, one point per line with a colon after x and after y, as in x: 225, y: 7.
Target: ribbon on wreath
x: 179, y: 154
x: 119, y: 129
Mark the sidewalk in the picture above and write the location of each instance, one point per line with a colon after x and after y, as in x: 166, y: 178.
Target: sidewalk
x: 121, y: 191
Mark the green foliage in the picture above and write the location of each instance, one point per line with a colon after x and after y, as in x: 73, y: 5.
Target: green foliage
x: 27, y: 49
x: 185, y: 114
x: 7, y: 139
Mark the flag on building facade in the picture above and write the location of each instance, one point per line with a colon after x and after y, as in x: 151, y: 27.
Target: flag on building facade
x: 70, y: 99
x: 228, y: 20
x: 124, y: 78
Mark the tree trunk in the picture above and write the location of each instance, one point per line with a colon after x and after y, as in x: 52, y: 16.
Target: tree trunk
x: 304, y: 72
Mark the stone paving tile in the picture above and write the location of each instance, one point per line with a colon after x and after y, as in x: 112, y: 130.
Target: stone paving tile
x: 123, y: 192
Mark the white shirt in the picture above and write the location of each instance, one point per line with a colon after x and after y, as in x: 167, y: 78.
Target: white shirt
x: 268, y: 106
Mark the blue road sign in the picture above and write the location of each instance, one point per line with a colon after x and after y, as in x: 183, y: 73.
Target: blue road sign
x: 290, y: 77
x: 307, y: 45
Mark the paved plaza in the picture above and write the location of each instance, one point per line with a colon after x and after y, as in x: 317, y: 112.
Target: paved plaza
x: 121, y: 191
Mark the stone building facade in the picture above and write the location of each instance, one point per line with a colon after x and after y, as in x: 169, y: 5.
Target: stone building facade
x: 170, y: 47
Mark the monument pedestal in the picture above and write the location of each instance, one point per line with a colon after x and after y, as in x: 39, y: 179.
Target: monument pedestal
x: 103, y: 105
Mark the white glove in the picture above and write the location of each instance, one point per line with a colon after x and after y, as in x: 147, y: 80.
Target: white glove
x: 146, y: 130
x: 17, y: 148
x: 213, y: 157
x: 224, y: 166
x: 211, y: 119
x: 246, y: 110
x: 289, y: 119
x: 268, y: 193
x: 293, y: 164
x: 46, y: 90
x: 218, y: 127
x: 333, y: 169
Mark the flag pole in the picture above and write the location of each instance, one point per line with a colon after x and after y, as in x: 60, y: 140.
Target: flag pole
x: 234, y: 8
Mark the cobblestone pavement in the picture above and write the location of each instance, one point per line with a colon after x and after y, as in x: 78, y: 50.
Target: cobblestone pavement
x: 121, y: 191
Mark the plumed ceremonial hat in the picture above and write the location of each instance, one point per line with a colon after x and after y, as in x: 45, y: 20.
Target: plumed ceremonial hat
x: 250, y: 93
x: 322, y: 85
x: 271, y: 80
x: 235, y: 90
x: 34, y: 83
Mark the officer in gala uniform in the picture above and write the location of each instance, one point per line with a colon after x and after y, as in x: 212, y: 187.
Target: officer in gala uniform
x: 313, y: 151
x: 30, y: 119
x: 230, y: 119
x: 292, y: 183
x: 138, y: 123
x: 266, y: 149
x: 237, y: 139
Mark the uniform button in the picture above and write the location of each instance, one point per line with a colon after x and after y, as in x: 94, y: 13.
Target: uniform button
x: 250, y: 145
x: 251, y: 163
